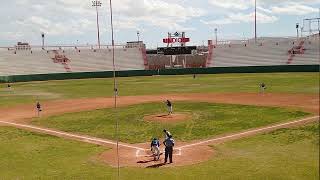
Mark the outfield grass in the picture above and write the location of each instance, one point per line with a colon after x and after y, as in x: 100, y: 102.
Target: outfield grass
x: 283, y: 154
x: 207, y: 120
x: 28, y: 92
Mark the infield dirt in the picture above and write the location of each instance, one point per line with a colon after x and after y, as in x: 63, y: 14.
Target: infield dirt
x: 141, y: 158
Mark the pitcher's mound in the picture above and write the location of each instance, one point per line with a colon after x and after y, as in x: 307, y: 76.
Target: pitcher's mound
x: 165, y: 118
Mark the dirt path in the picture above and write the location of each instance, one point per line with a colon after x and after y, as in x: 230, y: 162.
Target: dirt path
x: 137, y: 155
x: 22, y: 113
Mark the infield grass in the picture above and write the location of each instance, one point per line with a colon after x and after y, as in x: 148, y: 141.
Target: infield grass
x: 208, y: 119
x: 283, y: 154
x: 29, y: 92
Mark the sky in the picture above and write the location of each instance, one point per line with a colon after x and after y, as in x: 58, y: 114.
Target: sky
x: 72, y: 22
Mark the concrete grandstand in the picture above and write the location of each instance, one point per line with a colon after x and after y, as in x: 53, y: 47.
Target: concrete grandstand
x: 67, y: 59
x: 267, y: 52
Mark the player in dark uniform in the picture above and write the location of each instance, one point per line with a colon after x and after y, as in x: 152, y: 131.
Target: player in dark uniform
x: 38, y: 106
x: 169, y: 105
x: 169, y: 143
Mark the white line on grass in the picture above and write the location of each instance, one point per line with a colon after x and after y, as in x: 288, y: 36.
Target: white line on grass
x: 88, y: 139
x: 98, y: 140
x: 247, y: 132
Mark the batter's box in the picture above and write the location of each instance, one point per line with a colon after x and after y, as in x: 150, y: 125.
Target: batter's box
x: 148, y: 153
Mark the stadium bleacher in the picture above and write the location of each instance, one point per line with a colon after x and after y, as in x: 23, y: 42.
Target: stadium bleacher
x: 270, y: 52
x: 267, y: 52
x: 38, y: 61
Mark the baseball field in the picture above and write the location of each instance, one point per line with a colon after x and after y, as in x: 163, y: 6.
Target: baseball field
x: 223, y: 126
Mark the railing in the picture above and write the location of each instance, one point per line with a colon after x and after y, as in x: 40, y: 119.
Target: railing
x: 57, y: 47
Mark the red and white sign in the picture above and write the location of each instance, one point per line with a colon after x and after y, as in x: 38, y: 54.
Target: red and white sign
x: 176, y: 40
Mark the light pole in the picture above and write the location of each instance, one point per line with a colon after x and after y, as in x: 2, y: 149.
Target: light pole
x: 97, y: 4
x: 138, y: 35
x: 216, y: 34
x: 255, y: 21
x: 297, y: 27
x: 42, y: 36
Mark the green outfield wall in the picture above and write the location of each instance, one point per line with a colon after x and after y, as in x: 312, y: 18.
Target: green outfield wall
x: 212, y: 70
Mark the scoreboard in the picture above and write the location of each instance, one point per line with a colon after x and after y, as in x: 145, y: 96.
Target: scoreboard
x: 176, y: 50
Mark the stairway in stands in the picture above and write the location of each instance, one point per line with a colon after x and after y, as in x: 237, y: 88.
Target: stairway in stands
x: 295, y: 50
x: 61, y: 59
x: 144, y: 56
x: 209, y: 57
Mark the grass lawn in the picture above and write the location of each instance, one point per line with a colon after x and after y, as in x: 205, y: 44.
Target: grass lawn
x: 283, y: 154
x: 28, y: 92
x: 208, y: 119
x: 27, y: 155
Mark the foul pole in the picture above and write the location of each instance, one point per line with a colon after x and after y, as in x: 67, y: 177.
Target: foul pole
x: 115, y: 89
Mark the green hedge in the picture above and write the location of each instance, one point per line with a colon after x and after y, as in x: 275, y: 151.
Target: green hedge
x: 212, y: 70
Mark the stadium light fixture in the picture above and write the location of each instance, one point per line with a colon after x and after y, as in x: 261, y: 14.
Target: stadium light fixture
x: 97, y: 4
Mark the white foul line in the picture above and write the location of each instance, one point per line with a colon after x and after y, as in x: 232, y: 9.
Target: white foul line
x: 137, y: 152
x: 247, y: 132
x: 93, y: 139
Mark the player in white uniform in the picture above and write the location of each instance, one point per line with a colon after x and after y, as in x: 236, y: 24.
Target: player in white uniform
x: 263, y: 87
x: 155, y: 148
x: 167, y: 134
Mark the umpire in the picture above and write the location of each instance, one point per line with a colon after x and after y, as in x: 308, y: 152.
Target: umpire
x: 169, y: 143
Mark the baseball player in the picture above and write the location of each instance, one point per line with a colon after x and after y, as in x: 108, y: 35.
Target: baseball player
x: 116, y: 91
x: 167, y: 134
x: 38, y: 106
x: 263, y: 87
x: 170, y: 108
x: 9, y: 86
x: 155, y: 148
x: 169, y: 143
